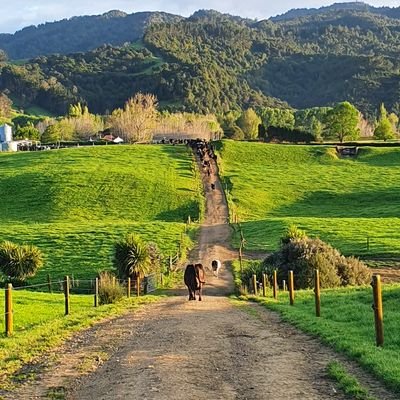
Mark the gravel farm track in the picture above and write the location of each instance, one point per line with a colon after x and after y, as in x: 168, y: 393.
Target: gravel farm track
x: 177, y: 349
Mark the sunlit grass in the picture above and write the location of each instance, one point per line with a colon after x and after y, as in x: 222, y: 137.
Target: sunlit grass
x: 75, y: 203
x: 350, y: 203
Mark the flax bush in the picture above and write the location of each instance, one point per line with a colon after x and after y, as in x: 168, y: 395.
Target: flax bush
x: 18, y: 262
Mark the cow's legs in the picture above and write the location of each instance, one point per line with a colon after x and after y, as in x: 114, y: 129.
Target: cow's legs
x: 200, y: 293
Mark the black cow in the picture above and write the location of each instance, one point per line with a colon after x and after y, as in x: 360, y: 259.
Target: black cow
x: 194, y: 280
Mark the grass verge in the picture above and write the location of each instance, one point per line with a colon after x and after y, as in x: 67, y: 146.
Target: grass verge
x: 346, y: 324
x: 348, y: 383
x: 40, y: 325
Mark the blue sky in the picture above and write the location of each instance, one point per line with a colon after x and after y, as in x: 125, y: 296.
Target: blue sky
x: 17, y: 14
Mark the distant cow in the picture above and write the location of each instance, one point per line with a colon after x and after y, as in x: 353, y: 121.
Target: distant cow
x: 194, y: 280
x: 216, y: 266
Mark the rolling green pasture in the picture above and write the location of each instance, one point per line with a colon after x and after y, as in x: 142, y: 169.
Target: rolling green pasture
x: 343, y: 201
x: 40, y: 324
x: 74, y: 203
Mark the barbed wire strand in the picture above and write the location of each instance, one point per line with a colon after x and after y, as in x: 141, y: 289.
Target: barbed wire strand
x: 30, y: 286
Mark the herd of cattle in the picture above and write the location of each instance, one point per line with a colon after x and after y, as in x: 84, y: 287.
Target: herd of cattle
x: 203, y: 149
x: 194, y: 273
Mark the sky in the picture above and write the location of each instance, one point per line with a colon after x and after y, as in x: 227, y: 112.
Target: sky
x: 18, y: 14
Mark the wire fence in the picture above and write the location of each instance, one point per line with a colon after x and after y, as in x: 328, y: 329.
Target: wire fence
x: 28, y: 306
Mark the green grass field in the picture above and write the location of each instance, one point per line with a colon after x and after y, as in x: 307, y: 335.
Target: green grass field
x: 75, y: 203
x: 343, y: 201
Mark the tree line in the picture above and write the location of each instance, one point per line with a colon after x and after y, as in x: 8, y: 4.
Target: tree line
x: 140, y: 119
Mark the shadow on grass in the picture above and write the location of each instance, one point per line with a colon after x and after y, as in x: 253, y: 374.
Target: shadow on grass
x: 380, y: 158
x: 182, y: 158
x: 355, y: 204
x: 181, y: 213
x: 27, y: 197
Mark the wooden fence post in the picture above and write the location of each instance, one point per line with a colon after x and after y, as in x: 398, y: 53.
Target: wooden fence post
x: 264, y: 285
x: 49, y: 283
x: 9, y: 310
x: 96, y: 292
x: 291, y: 288
x: 284, y: 285
x: 66, y: 294
x: 275, y: 285
x: 128, y: 288
x: 255, y: 285
x: 138, y: 286
x: 317, y: 292
x: 378, y: 309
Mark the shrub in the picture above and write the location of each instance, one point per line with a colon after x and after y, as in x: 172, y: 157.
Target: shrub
x: 19, y: 262
x: 353, y: 272
x: 292, y: 232
x: 155, y: 256
x: 276, y: 134
x: 250, y: 268
x: 110, y: 290
x: 331, y: 153
x: 237, y: 133
x: 303, y: 256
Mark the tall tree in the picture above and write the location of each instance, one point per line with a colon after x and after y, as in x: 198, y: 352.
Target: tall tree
x: 342, y: 121
x: 136, y: 122
x: 248, y: 123
x: 385, y: 129
x: 82, y: 122
x: 277, y: 117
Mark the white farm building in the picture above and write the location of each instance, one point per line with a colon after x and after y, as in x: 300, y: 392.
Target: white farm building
x: 6, y: 141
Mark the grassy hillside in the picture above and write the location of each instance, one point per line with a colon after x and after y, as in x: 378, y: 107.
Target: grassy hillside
x: 74, y: 203
x: 342, y: 201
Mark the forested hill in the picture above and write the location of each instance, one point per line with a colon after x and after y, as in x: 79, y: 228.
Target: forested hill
x: 212, y: 62
x: 80, y: 33
x: 351, y: 6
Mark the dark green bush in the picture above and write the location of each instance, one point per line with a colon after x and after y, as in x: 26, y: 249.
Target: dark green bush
x: 304, y: 256
x: 276, y: 134
x: 250, y: 268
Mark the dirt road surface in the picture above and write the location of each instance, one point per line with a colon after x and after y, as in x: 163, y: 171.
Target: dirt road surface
x: 178, y: 349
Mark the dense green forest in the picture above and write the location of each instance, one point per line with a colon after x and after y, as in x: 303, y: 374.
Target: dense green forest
x: 79, y: 33
x: 212, y: 62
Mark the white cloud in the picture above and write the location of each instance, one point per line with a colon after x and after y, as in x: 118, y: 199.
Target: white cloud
x: 20, y: 13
